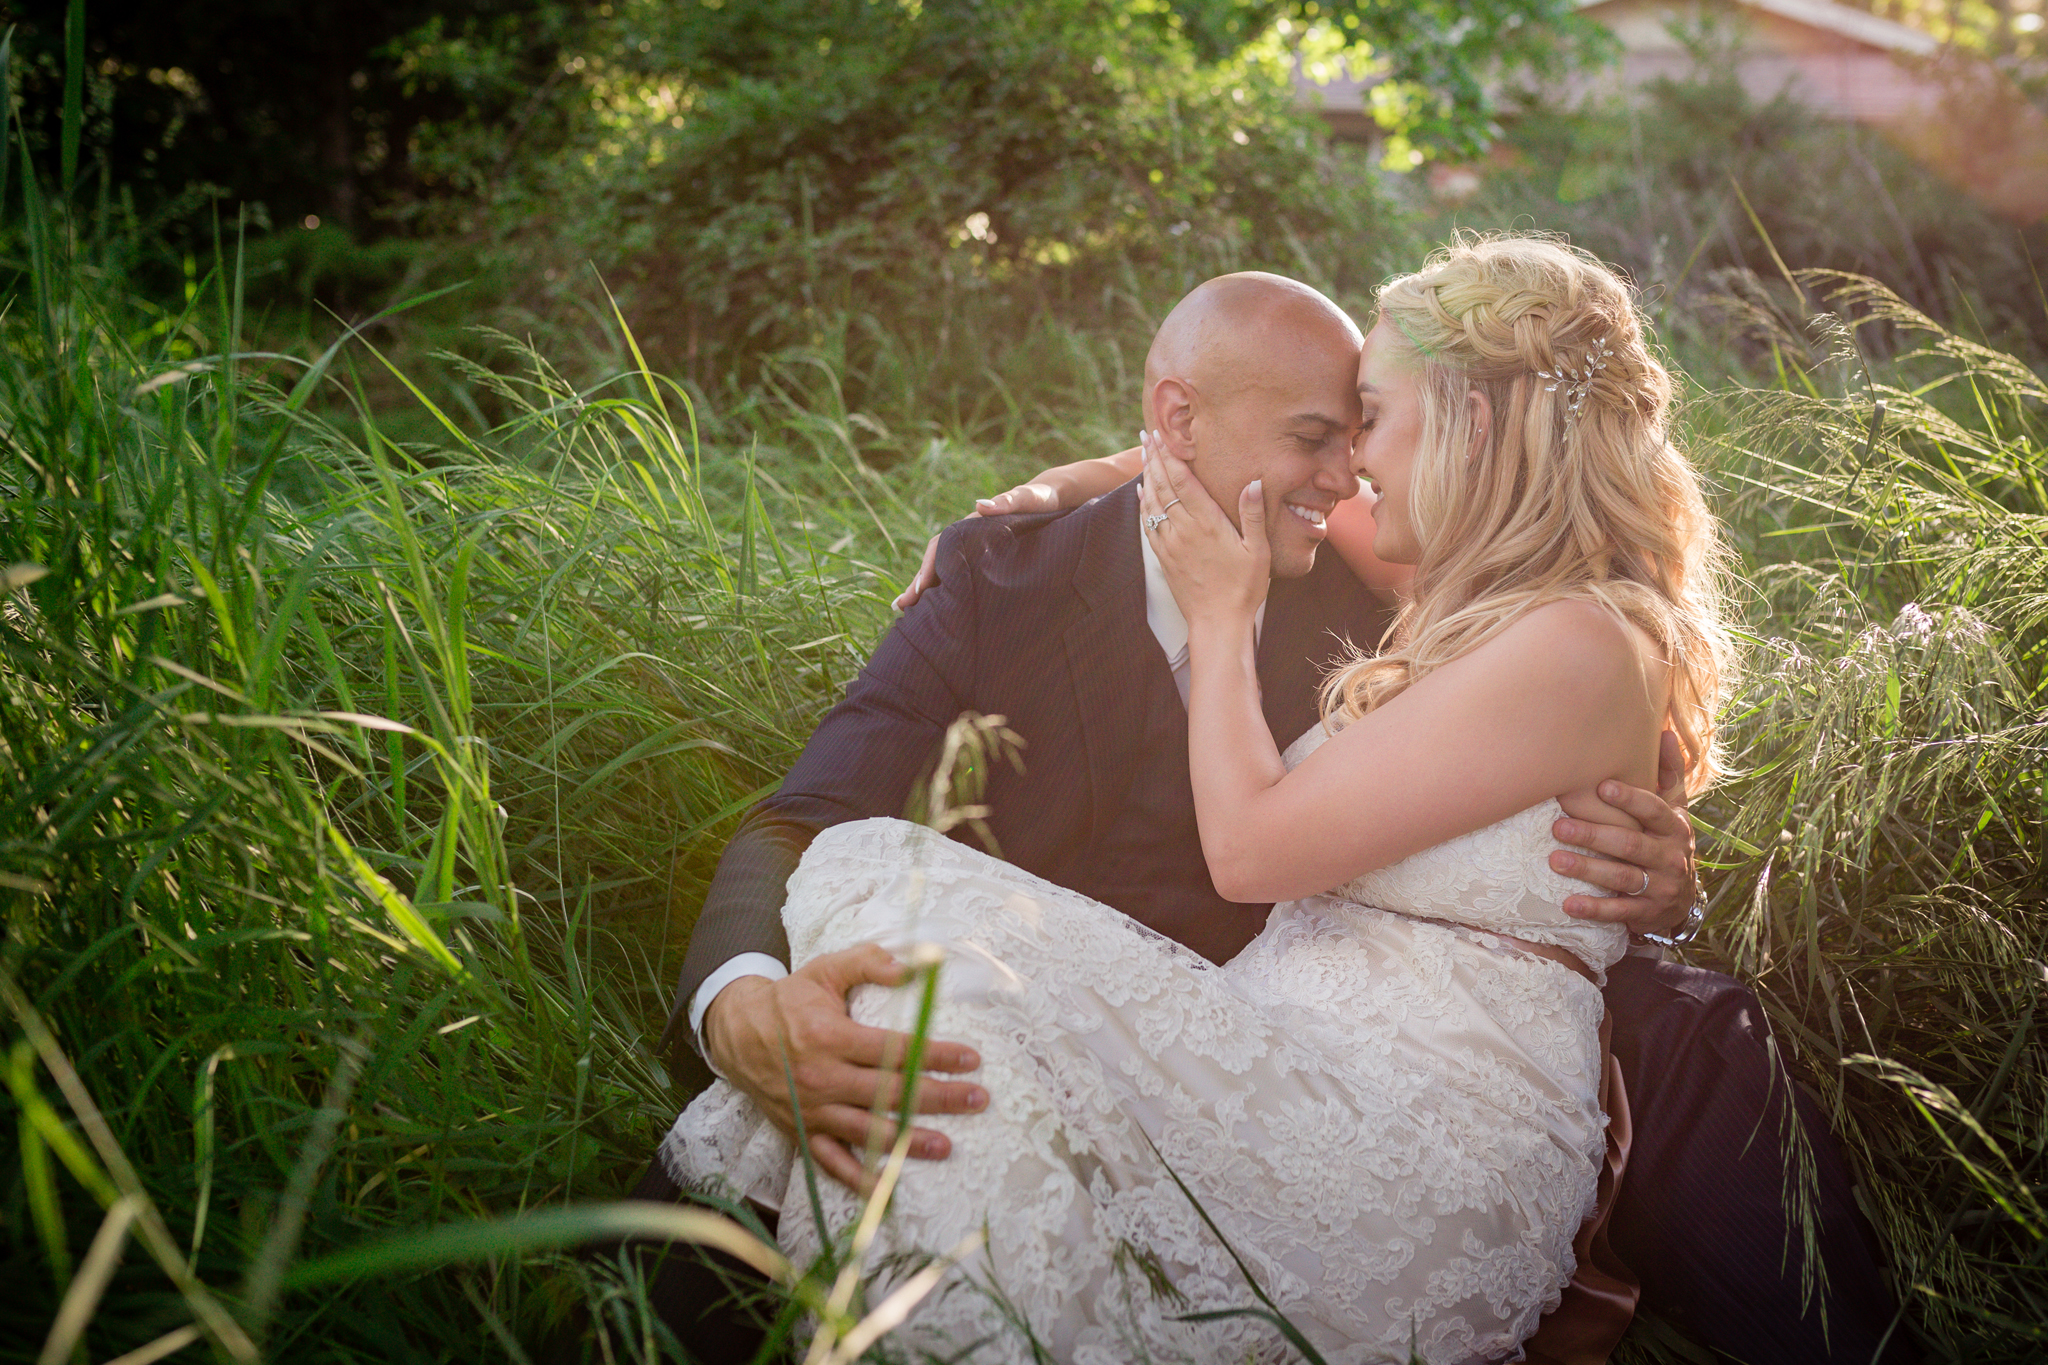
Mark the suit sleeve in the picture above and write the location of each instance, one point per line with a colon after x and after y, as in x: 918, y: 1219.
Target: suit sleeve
x: 864, y: 760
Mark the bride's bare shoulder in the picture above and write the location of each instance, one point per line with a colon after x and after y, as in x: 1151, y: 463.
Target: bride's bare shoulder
x: 1584, y: 643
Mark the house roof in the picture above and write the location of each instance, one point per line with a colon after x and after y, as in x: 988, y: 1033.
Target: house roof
x: 1854, y: 24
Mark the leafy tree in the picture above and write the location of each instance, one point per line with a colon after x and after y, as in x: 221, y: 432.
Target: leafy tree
x: 759, y: 173
x: 321, y: 109
x: 1434, y: 57
x: 295, y: 108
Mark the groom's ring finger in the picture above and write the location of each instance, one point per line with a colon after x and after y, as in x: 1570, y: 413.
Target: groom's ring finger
x: 1627, y: 848
x: 1623, y: 879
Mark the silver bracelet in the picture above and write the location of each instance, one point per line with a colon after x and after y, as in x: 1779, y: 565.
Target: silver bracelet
x: 1695, y: 916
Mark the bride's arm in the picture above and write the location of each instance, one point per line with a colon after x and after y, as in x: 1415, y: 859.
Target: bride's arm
x: 1062, y: 486
x: 1558, y: 701
x: 1070, y: 485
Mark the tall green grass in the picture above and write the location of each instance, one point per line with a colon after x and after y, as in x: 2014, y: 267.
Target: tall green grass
x: 357, y: 791
x: 357, y: 797
x: 1882, y: 877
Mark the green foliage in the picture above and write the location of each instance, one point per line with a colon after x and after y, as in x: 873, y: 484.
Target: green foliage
x: 1691, y: 178
x: 368, y: 732
x: 1883, y: 880
x: 929, y: 180
x: 1440, y: 63
x: 282, y: 109
x: 314, y: 805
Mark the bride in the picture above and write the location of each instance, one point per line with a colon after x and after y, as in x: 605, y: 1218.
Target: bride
x: 1385, y: 1110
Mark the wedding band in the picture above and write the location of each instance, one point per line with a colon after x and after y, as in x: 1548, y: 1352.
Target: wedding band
x: 1170, y: 506
x: 1644, y: 889
x: 1154, y: 523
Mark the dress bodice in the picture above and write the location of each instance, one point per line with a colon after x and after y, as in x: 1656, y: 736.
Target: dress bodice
x: 1496, y: 879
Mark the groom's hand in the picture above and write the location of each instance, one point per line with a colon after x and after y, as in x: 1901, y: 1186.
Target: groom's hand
x: 767, y: 1036
x: 1616, y: 858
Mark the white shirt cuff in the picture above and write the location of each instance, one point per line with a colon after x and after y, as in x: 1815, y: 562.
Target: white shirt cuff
x: 746, y: 964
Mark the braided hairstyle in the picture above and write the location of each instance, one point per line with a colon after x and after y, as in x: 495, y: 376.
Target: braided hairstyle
x: 1574, y: 491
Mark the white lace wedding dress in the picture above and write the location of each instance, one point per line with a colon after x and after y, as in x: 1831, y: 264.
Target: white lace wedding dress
x: 1389, y: 1113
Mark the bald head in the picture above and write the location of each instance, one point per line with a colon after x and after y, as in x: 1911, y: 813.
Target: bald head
x: 1255, y: 376
x: 1246, y: 330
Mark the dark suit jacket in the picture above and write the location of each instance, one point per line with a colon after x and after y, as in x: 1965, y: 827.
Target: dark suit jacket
x: 1040, y: 619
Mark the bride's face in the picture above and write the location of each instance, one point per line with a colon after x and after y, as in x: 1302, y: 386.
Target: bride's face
x: 1389, y: 432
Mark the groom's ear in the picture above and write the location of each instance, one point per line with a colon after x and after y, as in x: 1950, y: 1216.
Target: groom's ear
x: 1173, y: 408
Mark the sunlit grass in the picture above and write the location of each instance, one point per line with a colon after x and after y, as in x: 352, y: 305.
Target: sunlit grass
x: 359, y: 792
x: 1882, y: 874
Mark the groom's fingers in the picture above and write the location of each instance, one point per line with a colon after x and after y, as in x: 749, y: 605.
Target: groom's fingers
x: 866, y: 964
x: 1617, y: 860
x: 878, y: 1049
x: 934, y: 1096
x: 859, y: 1129
x: 1650, y: 810
x: 835, y: 1160
x: 862, y: 1070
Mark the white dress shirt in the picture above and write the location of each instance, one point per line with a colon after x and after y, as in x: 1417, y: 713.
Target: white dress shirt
x: 1169, y: 628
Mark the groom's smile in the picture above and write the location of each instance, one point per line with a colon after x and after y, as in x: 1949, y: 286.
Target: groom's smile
x: 1255, y: 377
x: 1315, y: 514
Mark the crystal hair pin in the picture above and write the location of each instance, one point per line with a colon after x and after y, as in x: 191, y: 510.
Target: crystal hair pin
x: 1577, y: 381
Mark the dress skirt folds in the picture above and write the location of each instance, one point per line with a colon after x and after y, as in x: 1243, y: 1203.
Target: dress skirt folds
x: 1382, y: 1111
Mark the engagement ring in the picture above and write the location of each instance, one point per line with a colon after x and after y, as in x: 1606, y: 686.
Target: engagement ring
x: 1154, y: 523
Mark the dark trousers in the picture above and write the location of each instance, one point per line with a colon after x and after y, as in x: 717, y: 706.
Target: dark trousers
x: 1702, y: 1217
x: 708, y: 1299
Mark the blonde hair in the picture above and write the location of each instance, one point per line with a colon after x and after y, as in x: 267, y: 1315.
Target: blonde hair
x: 1575, y: 489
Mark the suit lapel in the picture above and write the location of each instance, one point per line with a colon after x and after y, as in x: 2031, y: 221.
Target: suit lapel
x: 1115, y: 666
x: 1112, y: 659
x: 1285, y: 644
x: 1307, y: 620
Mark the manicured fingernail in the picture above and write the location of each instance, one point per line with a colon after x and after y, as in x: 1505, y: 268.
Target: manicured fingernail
x: 1610, y: 791
x: 1257, y: 488
x: 977, y: 1098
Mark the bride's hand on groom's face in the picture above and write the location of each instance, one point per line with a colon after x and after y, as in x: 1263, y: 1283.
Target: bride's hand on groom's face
x: 1617, y: 857
x: 839, y: 1069
x: 1217, y: 571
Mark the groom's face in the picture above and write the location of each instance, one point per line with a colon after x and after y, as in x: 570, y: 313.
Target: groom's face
x: 1290, y: 423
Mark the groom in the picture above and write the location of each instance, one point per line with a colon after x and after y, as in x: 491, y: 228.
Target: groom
x: 1062, y: 624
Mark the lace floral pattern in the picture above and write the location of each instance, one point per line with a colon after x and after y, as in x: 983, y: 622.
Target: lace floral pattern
x: 1389, y: 1114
